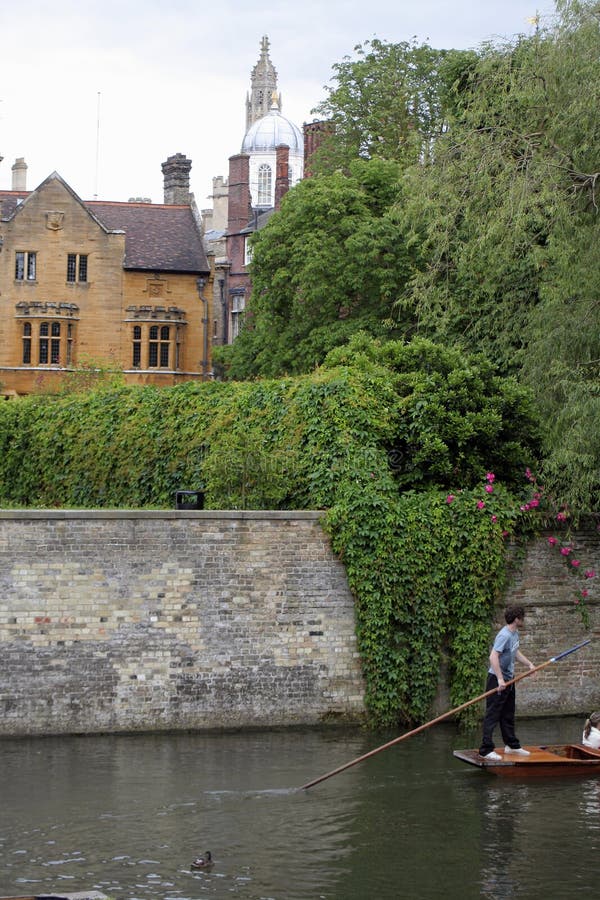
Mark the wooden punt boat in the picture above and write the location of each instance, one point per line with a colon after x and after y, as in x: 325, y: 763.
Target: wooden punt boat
x: 549, y: 761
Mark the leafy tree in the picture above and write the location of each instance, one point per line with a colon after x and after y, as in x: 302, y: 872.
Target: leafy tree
x: 332, y: 261
x: 506, y: 222
x: 388, y: 102
x: 454, y: 416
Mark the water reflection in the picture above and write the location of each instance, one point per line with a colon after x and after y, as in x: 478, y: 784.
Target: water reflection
x: 498, y: 847
x: 127, y: 815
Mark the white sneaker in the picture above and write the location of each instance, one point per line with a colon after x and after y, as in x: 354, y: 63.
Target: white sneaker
x: 518, y: 750
x: 493, y: 757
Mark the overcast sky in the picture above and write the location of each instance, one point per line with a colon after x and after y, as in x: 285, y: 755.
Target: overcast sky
x: 103, y: 91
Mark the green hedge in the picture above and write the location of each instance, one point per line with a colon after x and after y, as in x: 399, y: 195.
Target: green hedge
x: 378, y: 438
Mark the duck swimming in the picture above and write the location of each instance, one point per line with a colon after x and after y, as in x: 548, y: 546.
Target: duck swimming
x: 203, y: 862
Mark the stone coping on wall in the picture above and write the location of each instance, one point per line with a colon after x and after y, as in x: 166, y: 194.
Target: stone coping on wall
x: 244, y: 514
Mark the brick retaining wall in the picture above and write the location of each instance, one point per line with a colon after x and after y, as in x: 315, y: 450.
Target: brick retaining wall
x: 150, y: 620
x: 543, y: 584
x: 143, y: 620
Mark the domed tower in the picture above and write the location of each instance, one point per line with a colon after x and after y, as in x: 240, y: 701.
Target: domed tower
x: 263, y: 84
x: 261, y: 142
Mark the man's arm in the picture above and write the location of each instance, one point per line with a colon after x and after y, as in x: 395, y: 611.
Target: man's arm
x: 523, y: 659
x: 495, y: 664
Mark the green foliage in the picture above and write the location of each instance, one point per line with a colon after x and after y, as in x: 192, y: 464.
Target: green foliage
x: 388, y: 102
x: 504, y: 227
x: 426, y: 565
x: 426, y: 573
x: 458, y: 200
x: 328, y: 264
x: 456, y: 417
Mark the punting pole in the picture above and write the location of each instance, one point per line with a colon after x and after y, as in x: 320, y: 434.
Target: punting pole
x: 445, y: 715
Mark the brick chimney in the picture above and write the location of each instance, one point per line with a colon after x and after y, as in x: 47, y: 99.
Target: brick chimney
x: 19, y: 175
x: 176, y: 173
x: 315, y: 133
x: 282, y: 172
x: 240, y: 204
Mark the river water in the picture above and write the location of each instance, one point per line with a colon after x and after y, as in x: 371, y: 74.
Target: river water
x: 125, y: 815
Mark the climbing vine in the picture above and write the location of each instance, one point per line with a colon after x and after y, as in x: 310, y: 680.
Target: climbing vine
x: 415, y: 454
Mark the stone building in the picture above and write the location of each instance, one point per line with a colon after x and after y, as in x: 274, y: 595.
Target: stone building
x: 270, y: 162
x: 105, y: 284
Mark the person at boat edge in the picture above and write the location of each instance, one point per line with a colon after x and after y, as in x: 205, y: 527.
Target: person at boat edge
x: 591, y: 731
x: 501, y: 705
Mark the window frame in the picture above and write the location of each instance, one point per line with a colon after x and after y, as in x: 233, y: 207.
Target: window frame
x: 26, y: 265
x: 264, y: 185
x: 156, y: 346
x: 77, y: 268
x: 44, y: 342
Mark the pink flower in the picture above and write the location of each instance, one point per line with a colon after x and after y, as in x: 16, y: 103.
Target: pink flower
x: 490, y: 477
x: 575, y: 562
x: 489, y: 488
x: 528, y: 474
x: 552, y: 541
x: 565, y: 551
x: 533, y: 503
x: 480, y: 504
x: 494, y: 519
x: 584, y: 593
x: 576, y: 601
x: 450, y: 498
x: 505, y: 534
x: 525, y: 507
x: 589, y: 573
x: 561, y: 517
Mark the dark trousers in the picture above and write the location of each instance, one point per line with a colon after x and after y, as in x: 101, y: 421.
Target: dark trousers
x: 499, y: 710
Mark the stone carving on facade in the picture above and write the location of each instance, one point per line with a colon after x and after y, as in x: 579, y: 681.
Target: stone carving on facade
x: 54, y: 219
x: 42, y: 308
x: 146, y: 313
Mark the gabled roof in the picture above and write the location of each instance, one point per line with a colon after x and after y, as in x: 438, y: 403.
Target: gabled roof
x: 19, y: 199
x: 157, y: 236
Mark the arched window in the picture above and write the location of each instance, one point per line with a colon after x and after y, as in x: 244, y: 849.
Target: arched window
x: 44, y: 331
x: 137, y: 346
x: 153, y: 346
x: 156, y: 346
x: 264, y: 185
x: 55, y: 344
x: 165, y: 333
x: 26, y: 343
x: 54, y: 341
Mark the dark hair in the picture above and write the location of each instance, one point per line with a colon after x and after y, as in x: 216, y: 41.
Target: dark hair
x: 513, y: 612
x: 592, y: 722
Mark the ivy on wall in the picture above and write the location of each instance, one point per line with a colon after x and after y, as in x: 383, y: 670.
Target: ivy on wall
x: 396, y: 443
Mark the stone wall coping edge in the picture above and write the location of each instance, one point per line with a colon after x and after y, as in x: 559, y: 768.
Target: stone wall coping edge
x: 207, y: 514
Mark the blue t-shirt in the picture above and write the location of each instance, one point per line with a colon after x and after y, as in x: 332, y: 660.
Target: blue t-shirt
x: 506, y: 645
